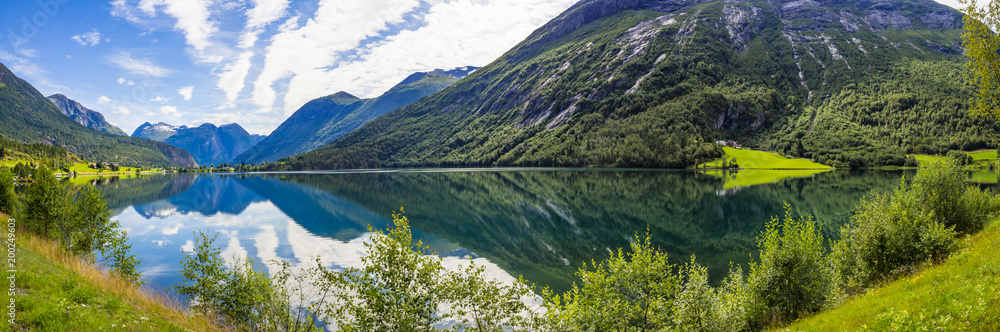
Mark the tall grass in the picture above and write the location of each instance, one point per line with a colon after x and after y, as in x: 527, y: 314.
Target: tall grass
x: 151, y: 301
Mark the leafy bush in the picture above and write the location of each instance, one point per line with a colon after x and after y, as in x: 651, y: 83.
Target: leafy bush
x: 891, y: 232
x: 398, y: 277
x: 242, y: 296
x: 791, y: 278
x: 633, y: 290
x: 942, y: 187
x: 887, y: 233
x: 700, y: 307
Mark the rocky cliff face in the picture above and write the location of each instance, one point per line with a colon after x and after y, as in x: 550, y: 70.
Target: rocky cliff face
x: 83, y: 115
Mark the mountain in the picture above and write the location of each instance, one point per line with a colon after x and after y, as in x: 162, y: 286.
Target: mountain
x: 27, y: 116
x: 325, y: 119
x: 207, y: 143
x: 628, y: 83
x: 88, y: 118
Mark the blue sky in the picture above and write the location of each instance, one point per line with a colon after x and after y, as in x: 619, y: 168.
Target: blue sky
x: 253, y: 62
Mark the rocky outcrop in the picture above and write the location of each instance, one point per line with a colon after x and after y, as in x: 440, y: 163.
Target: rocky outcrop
x: 85, y: 116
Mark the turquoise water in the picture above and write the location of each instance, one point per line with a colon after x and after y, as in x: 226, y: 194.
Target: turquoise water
x: 538, y: 223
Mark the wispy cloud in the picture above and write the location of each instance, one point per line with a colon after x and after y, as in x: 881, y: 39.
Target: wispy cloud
x: 263, y: 13
x: 103, y: 100
x: 193, y: 18
x: 350, y: 47
x: 88, y: 39
x: 126, y: 61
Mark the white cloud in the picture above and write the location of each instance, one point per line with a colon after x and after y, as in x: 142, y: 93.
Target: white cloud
x: 455, y: 33
x: 32, y: 72
x: 88, y: 39
x: 193, y: 18
x: 122, y: 110
x: 126, y: 61
x: 103, y: 100
x: 186, y: 92
x: 233, y: 78
x: 168, y: 110
x: 263, y: 13
x: 304, y: 52
x: 121, y: 80
x: 120, y: 8
x: 160, y: 99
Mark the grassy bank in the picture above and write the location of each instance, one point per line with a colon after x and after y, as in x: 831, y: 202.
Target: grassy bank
x: 750, y: 159
x: 959, y: 294
x: 60, y: 292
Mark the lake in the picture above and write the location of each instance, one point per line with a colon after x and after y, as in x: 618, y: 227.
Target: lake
x: 541, y: 224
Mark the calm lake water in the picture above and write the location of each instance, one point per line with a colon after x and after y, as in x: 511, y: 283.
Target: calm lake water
x: 538, y: 223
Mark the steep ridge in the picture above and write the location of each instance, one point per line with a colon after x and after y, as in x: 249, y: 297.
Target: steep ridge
x: 26, y: 115
x: 208, y: 144
x: 85, y: 116
x: 651, y: 83
x: 325, y: 119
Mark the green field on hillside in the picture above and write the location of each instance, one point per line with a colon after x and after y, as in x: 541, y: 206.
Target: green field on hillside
x: 752, y: 159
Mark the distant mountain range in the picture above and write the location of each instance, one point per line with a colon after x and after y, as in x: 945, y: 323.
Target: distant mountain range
x: 208, y: 144
x: 630, y: 83
x: 27, y: 116
x: 325, y: 119
x: 85, y: 116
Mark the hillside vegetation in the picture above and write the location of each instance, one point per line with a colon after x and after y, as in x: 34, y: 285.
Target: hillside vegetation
x: 651, y: 83
x: 960, y: 294
x: 326, y: 119
x: 60, y: 292
x: 27, y: 116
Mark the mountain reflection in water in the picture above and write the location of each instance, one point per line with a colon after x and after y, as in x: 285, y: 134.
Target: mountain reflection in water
x: 539, y: 223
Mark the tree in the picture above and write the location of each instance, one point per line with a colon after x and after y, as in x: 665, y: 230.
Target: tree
x: 47, y: 208
x: 8, y: 199
x: 982, y: 47
x: 91, y: 228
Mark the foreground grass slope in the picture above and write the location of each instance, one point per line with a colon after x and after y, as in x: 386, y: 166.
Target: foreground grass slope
x: 60, y: 292
x: 963, y: 293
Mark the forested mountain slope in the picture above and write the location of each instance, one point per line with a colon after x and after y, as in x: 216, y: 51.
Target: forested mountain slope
x: 27, y: 116
x: 326, y: 119
x: 651, y: 83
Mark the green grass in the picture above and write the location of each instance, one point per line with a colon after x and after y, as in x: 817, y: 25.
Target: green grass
x: 750, y: 159
x: 962, y: 293
x: 58, y: 292
x: 751, y: 177
x: 980, y: 158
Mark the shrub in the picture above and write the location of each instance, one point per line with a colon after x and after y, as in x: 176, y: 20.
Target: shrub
x: 892, y: 232
x: 887, y: 233
x: 629, y: 291
x: 942, y: 187
x: 790, y: 279
x: 242, y: 296
x: 700, y: 307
